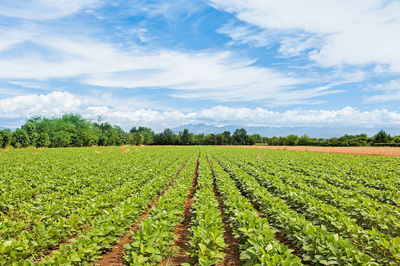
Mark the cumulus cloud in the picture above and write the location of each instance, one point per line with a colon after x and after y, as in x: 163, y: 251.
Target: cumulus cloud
x: 52, y: 104
x: 57, y: 103
x: 339, y: 32
x: 43, y: 9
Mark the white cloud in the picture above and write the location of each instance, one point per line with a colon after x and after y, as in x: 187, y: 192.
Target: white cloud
x: 58, y: 103
x: 390, y: 91
x: 221, y: 76
x: 52, y: 104
x: 43, y: 9
x: 245, y: 35
x: 354, y: 32
x: 298, y: 44
x: 261, y: 117
x: 383, y: 97
x: 393, y: 85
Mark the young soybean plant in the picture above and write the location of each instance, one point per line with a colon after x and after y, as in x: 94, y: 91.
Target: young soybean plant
x: 153, y: 242
x: 207, y: 240
x: 258, y: 245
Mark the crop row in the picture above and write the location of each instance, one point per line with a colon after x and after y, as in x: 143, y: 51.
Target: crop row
x: 376, y: 175
x: 380, y: 246
x: 85, y: 205
x: 152, y: 243
x: 327, y: 177
x: 258, y: 244
x: 107, y: 229
x: 207, y: 238
x: 317, y: 244
x: 368, y: 213
x: 89, y: 221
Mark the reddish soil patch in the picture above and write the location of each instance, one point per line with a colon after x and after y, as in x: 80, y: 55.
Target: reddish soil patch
x: 115, y: 256
x: 380, y: 151
x: 182, y: 230
x: 232, y: 250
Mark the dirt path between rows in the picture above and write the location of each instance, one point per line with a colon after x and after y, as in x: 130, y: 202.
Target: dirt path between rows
x: 279, y: 236
x: 115, y: 256
x: 232, y: 251
x: 379, y: 151
x: 182, y: 230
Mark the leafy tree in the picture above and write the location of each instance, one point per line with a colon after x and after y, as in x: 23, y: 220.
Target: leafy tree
x: 20, y: 138
x: 303, y: 140
x: 290, y: 140
x: 256, y: 138
x: 169, y: 136
x: 381, y: 137
x: 240, y: 137
x: 142, y: 135
x: 30, y: 129
x: 103, y: 140
x: 60, y: 139
x: 43, y: 140
x: 226, y: 138
x: 5, y: 138
x: 185, y: 137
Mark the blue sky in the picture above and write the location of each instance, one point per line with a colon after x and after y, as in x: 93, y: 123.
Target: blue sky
x: 220, y: 62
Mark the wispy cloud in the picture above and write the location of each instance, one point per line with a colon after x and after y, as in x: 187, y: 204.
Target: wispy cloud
x: 389, y: 91
x: 343, y: 32
x: 220, y: 75
x: 44, y: 9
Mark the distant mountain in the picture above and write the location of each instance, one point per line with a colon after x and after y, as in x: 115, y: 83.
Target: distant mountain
x: 315, y: 132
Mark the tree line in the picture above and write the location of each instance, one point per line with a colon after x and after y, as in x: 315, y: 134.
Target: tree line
x: 72, y: 130
x: 380, y: 139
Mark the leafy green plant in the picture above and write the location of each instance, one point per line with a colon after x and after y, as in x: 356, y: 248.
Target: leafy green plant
x: 152, y: 242
x: 207, y: 240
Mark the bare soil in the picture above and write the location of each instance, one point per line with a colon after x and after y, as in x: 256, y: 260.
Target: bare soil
x: 182, y: 230
x: 379, y: 151
x: 115, y: 256
x: 232, y: 251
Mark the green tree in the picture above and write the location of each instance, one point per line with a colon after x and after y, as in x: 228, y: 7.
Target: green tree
x: 185, y: 137
x: 240, y: 137
x: 60, y: 139
x: 20, y: 138
x: 381, y: 137
x: 5, y: 138
x: 303, y: 140
x: 43, y: 140
x: 226, y: 138
x: 290, y: 140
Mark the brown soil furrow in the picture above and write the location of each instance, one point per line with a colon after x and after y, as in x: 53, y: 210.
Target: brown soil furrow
x: 73, y: 237
x: 232, y: 250
x: 182, y: 230
x: 115, y: 256
x: 279, y: 236
x: 378, y: 151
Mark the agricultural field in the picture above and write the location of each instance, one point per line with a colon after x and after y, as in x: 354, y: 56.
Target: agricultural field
x: 197, y: 206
